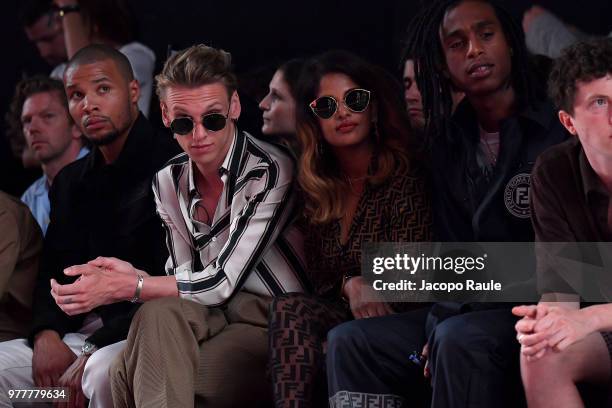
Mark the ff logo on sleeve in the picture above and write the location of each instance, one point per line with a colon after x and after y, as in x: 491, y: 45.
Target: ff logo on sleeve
x: 516, y: 195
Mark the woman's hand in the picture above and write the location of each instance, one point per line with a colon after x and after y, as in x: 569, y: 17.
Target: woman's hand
x: 360, y: 295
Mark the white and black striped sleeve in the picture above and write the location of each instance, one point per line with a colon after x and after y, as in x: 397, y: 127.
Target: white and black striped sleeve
x: 252, y: 232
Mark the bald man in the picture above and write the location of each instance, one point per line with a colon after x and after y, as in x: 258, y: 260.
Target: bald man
x: 100, y: 206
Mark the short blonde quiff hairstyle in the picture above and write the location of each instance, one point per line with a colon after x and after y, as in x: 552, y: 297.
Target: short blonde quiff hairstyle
x: 196, y: 66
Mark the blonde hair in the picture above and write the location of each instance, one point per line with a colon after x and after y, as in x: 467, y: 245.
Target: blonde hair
x: 195, y: 66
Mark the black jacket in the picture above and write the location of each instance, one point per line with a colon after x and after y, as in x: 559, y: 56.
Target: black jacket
x: 469, y: 206
x: 104, y: 210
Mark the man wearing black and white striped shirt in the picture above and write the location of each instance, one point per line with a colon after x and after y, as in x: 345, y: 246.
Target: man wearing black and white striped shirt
x: 228, y: 232
x: 226, y: 204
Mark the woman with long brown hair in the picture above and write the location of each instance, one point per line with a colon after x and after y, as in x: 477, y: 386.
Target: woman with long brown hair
x: 360, y: 184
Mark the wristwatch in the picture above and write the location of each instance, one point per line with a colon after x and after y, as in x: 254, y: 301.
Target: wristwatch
x: 88, y: 348
x: 70, y: 8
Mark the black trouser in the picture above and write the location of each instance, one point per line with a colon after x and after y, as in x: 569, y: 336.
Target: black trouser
x: 474, y: 361
x: 368, y: 362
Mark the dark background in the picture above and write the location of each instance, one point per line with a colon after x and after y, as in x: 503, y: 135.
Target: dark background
x: 266, y: 32
x: 260, y: 32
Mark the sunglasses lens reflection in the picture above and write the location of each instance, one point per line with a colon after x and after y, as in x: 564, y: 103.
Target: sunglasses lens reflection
x: 181, y: 126
x: 357, y: 100
x: 325, y: 107
x: 214, y: 122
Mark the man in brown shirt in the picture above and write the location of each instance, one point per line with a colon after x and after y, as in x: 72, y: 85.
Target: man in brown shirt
x: 571, y: 184
x: 20, y: 246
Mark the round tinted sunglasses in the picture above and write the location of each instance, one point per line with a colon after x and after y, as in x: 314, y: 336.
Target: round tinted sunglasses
x: 355, y: 100
x: 213, y: 122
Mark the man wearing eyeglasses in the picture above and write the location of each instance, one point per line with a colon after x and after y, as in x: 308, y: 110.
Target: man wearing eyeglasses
x: 226, y: 204
x: 100, y: 205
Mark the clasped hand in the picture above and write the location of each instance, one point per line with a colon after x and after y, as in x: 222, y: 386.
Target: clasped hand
x: 544, y: 328
x: 101, y: 281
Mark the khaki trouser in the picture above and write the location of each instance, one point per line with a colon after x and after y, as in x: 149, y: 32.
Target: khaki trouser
x: 178, y: 350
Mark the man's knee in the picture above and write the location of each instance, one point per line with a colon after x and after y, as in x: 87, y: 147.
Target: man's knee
x: 158, y: 310
x: 452, y: 337
x: 536, y: 373
x: 477, y: 341
x: 347, y: 338
x: 458, y: 345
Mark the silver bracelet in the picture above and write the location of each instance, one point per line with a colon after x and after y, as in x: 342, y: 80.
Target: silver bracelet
x: 136, y: 298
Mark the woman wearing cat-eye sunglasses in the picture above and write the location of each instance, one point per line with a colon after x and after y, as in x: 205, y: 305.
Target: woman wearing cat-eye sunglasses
x: 356, y: 171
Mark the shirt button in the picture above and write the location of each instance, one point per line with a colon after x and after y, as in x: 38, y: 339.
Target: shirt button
x: 214, y: 239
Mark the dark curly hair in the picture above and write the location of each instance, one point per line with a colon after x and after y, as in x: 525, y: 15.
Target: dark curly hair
x: 583, y: 61
x: 423, y: 46
x: 24, y: 89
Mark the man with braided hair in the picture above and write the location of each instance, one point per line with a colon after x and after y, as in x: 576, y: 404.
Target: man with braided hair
x: 480, y: 153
